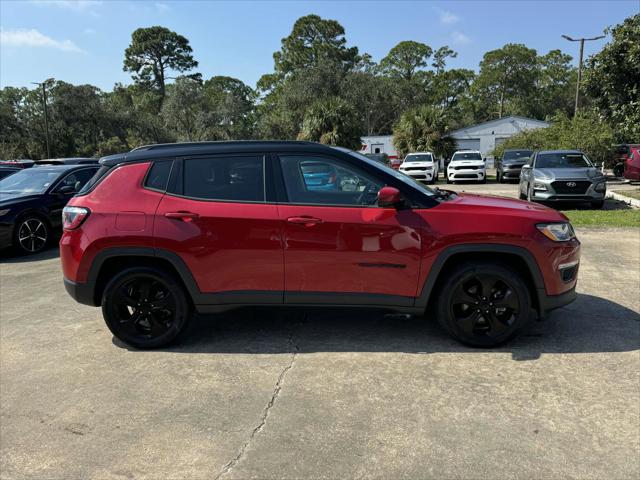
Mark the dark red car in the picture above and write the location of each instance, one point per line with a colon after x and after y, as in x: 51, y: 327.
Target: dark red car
x: 629, y: 157
x: 166, y: 229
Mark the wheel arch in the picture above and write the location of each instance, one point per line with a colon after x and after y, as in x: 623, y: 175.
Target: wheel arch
x: 513, y: 256
x: 108, y: 262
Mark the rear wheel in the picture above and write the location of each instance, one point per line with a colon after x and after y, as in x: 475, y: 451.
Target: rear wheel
x: 483, y: 304
x: 145, y: 307
x: 31, y: 234
x: 618, y: 170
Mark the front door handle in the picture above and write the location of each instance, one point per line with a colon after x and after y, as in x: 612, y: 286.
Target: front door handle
x: 304, y: 220
x: 183, y: 216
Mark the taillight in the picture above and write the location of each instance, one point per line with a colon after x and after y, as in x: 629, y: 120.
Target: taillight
x: 72, y: 217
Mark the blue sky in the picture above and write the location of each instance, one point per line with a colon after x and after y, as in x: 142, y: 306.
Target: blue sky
x: 84, y: 41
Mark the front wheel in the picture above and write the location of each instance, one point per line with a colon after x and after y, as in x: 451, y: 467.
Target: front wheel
x: 597, y: 204
x: 483, y: 304
x: 145, y: 307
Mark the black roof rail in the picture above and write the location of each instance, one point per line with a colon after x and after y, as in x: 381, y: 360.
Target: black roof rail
x: 160, y: 146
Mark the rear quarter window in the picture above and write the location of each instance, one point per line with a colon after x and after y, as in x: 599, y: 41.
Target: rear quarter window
x: 158, y: 175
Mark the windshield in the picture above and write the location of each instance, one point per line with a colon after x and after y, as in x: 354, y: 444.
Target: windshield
x: 466, y: 156
x: 516, y: 154
x: 422, y: 157
x: 33, y: 180
x: 562, y: 160
x: 400, y: 176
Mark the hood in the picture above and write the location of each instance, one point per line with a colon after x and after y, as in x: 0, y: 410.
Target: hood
x: 8, y: 199
x: 586, y: 173
x: 505, y: 206
x: 417, y: 164
x: 515, y: 161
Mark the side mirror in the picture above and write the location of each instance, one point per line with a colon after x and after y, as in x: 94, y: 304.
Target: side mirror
x: 389, y: 197
x: 526, y: 167
x: 66, y: 189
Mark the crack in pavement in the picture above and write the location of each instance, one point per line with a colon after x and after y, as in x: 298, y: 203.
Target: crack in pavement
x: 265, y: 414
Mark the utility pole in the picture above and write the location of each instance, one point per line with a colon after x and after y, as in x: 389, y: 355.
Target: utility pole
x: 581, y: 40
x: 46, y: 115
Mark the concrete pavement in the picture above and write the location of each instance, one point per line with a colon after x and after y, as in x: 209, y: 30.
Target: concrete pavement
x: 326, y: 394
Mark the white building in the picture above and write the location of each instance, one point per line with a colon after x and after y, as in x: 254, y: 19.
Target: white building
x: 483, y: 136
x: 379, y: 144
x: 488, y: 135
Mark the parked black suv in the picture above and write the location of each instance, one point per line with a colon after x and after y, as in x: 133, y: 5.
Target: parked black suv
x: 508, y: 167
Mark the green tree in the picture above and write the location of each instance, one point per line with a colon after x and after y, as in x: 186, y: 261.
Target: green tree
x: 153, y: 52
x: 507, y: 76
x: 331, y: 121
x: 612, y: 79
x: 406, y: 58
x: 555, y: 85
x: 586, y: 132
x: 313, y: 41
x: 423, y: 129
x: 232, y: 103
x: 184, y: 110
x: 440, y: 58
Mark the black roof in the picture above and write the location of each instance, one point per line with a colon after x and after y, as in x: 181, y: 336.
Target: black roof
x: 165, y: 150
x: 59, y: 167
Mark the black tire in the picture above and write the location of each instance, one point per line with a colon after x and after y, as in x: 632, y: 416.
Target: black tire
x: 31, y: 234
x: 618, y: 170
x: 499, y: 314
x: 145, y: 307
x: 597, y: 205
x: 484, y: 179
x: 449, y: 181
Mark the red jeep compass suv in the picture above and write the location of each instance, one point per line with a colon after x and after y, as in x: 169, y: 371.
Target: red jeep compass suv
x: 166, y: 229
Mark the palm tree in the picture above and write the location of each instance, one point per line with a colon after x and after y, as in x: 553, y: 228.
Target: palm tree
x: 423, y: 129
x: 331, y: 121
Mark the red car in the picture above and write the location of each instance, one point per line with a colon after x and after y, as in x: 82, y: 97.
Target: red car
x: 166, y: 229
x: 630, y: 156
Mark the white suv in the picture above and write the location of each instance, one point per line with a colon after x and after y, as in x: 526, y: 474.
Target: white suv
x: 466, y: 165
x: 421, y: 166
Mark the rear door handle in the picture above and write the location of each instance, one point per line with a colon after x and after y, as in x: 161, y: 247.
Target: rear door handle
x: 304, y: 220
x: 183, y: 216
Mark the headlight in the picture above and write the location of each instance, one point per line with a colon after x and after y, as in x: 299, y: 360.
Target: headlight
x: 601, y: 187
x: 558, y: 232
x: 4, y: 212
x: 539, y: 186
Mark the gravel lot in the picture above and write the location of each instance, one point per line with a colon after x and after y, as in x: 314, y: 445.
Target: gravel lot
x: 276, y: 394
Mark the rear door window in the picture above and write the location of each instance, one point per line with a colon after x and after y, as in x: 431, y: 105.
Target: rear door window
x: 225, y: 178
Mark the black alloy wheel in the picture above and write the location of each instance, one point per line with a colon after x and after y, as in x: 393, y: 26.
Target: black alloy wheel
x: 484, y: 304
x: 31, y: 235
x: 145, y: 307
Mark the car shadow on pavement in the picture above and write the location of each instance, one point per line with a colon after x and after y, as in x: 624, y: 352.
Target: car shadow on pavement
x: 9, y: 255
x: 589, y: 325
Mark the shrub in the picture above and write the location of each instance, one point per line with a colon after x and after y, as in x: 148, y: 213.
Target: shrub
x: 586, y: 132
